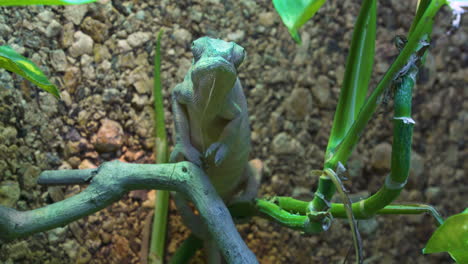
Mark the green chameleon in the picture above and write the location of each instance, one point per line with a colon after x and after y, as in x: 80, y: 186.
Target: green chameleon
x: 212, y: 124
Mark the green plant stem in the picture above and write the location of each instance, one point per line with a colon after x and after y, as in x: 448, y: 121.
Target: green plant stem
x: 158, y: 233
x: 186, y: 250
x: 337, y: 209
x: 343, y: 151
x: 353, y: 92
x: 294, y: 221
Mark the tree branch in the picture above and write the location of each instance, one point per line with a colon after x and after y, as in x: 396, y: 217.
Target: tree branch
x: 110, y: 182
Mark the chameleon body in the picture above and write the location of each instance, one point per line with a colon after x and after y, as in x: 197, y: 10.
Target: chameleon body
x: 210, y: 116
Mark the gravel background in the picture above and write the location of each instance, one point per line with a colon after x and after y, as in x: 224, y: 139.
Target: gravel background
x: 100, y: 56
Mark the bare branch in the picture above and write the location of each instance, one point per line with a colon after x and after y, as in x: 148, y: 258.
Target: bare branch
x: 110, y: 182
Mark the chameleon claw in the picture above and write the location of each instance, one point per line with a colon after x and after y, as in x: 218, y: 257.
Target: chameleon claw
x: 219, y: 150
x: 190, y: 154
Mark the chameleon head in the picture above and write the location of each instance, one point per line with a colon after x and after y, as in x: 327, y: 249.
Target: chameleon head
x: 215, y: 63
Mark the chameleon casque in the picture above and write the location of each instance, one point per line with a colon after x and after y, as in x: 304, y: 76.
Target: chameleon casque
x: 212, y: 124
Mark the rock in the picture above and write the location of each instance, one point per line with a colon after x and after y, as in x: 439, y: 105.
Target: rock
x: 74, y: 162
x: 55, y: 193
x: 143, y: 86
x: 5, y: 30
x: 71, y: 79
x: 417, y: 168
x: 53, y: 29
x: 354, y: 166
x: 29, y: 178
x: 107, y: 238
x: 368, y: 226
x: 284, y: 144
x: 299, y: 104
x: 71, y: 148
x: 140, y: 80
x: 45, y: 16
x: 182, y: 36
x: 302, y: 193
x: 267, y: 19
x: 123, y: 46
x: 57, y: 235
x: 111, y: 95
x: 140, y: 100
x: 433, y: 194
x: 96, y: 29
x: 86, y: 164
x: 67, y: 35
x: 236, y: 36
x: 87, y: 67
x: 58, y: 60
x: 75, y: 13
x: 66, y: 98
x: 302, y: 53
x: 101, y: 53
x: 19, y: 250
x: 138, y: 38
x: 70, y: 248
x: 9, y: 193
x: 149, y: 203
x: 144, y: 123
x: 121, y: 248
x: 321, y: 90
x: 109, y: 137
x: 83, y: 45
x: 381, y: 156
x: 8, y: 135
x: 108, y: 225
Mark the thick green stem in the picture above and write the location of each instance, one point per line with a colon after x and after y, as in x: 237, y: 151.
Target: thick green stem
x: 343, y: 151
x: 402, y: 130
x: 337, y: 209
x: 291, y: 220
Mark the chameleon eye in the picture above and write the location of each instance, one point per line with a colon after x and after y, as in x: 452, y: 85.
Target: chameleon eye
x: 238, y: 56
x: 197, y: 51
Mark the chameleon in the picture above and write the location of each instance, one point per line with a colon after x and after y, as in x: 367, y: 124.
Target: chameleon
x: 212, y: 124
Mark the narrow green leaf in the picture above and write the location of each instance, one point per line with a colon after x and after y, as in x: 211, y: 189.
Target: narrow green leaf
x: 343, y: 151
x: 44, y: 2
x: 451, y: 237
x: 357, y: 75
x: 158, y: 233
x: 14, y: 62
x: 296, y: 13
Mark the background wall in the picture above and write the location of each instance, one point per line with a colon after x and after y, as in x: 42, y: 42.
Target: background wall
x: 100, y: 56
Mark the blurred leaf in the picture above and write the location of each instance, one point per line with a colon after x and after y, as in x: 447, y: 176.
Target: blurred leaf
x: 14, y: 62
x: 296, y: 13
x: 451, y: 237
x: 359, y: 66
x: 43, y: 2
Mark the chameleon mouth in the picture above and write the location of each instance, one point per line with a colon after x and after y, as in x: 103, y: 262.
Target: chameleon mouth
x: 214, y: 70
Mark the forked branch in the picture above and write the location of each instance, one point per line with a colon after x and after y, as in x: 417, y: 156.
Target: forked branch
x: 110, y: 182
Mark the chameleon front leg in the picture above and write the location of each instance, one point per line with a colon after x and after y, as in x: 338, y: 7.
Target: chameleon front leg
x: 183, y: 147
x: 229, y: 137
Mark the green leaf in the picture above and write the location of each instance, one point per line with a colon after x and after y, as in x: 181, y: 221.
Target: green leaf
x: 451, y: 237
x: 44, y: 2
x: 357, y: 75
x: 296, y: 13
x: 12, y: 61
